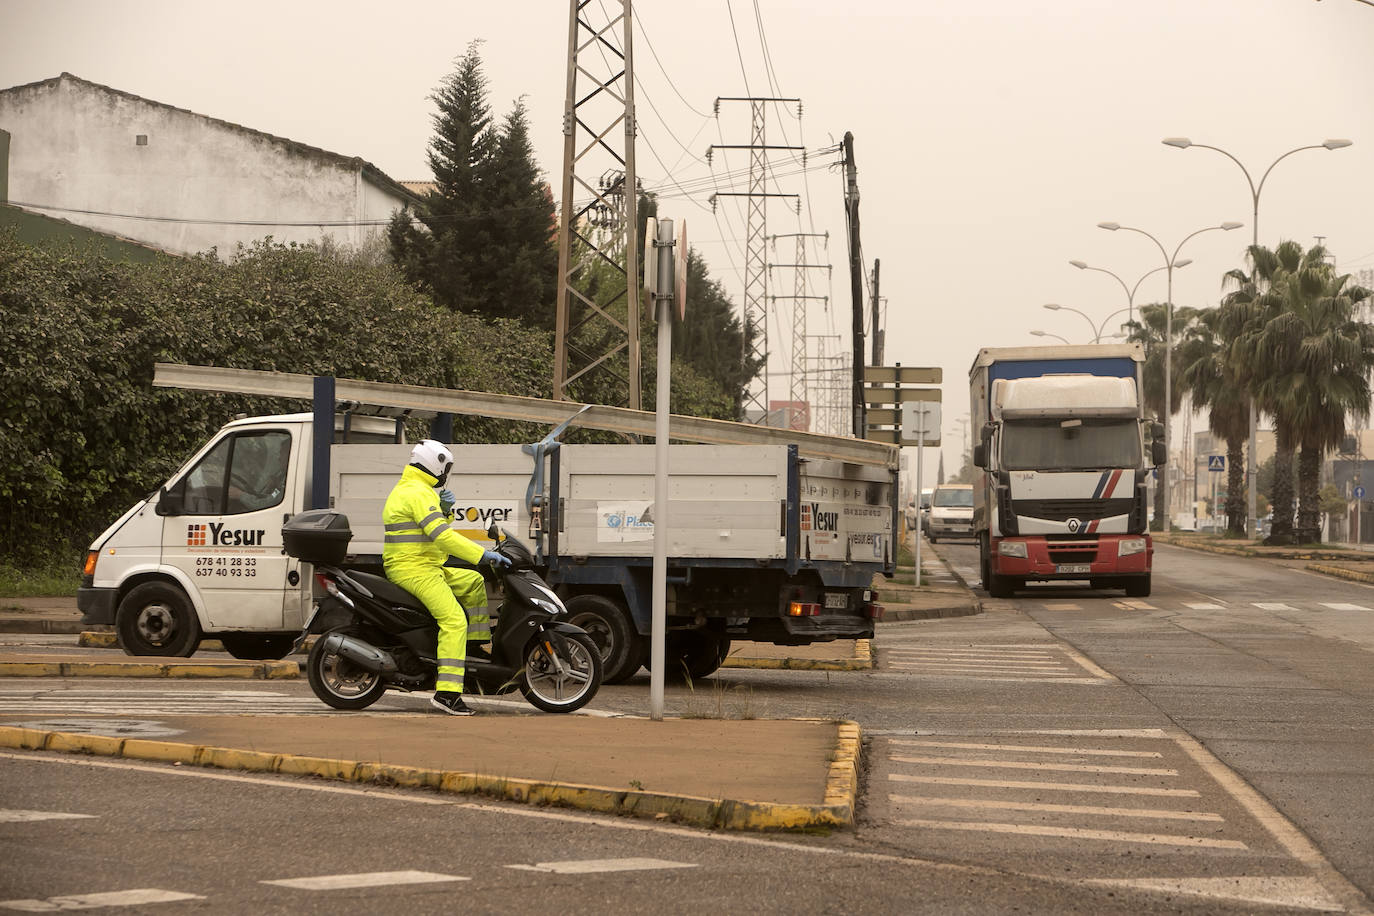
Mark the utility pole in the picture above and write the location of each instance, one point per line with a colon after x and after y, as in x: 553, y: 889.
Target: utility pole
x: 798, y: 390
x: 590, y: 335
x: 856, y: 280
x: 755, y: 256
x: 876, y: 325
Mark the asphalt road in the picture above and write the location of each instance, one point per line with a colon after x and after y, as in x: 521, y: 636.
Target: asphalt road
x: 1208, y: 749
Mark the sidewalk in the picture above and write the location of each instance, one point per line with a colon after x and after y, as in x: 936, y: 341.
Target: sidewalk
x: 1342, y: 561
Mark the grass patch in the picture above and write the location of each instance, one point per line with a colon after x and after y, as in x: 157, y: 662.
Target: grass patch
x: 58, y: 578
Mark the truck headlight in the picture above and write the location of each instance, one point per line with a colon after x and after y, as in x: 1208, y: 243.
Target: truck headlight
x: 1130, y: 546
x: 1011, y: 549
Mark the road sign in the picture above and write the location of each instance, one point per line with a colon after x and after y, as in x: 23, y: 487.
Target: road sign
x: 900, y: 395
x: 903, y: 375
x: 1359, y: 492
x: 1216, y: 462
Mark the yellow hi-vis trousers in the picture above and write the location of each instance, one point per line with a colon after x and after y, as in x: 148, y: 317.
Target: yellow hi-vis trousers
x: 433, y: 586
x: 471, y: 593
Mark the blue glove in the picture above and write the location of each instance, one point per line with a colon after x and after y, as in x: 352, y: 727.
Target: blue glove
x: 447, y: 501
x: 495, y: 559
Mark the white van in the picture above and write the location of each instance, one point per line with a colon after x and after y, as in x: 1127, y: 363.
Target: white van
x: 951, y: 512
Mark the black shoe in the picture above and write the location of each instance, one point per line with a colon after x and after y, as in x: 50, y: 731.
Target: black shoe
x: 451, y: 702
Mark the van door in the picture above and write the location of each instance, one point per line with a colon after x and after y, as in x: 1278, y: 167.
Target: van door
x: 223, y: 528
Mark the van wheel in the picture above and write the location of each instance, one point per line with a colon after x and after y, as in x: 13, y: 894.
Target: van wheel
x: 156, y: 618
x: 608, y: 623
x: 257, y: 646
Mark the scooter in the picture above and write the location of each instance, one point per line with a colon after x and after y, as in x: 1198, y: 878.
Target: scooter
x: 375, y: 636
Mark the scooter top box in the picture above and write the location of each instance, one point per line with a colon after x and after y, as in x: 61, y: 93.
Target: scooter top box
x: 317, y: 536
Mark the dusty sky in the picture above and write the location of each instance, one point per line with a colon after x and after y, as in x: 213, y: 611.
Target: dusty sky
x: 990, y: 137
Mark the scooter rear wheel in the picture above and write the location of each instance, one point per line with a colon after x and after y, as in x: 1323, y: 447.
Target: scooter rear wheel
x: 339, y: 682
x: 552, y: 690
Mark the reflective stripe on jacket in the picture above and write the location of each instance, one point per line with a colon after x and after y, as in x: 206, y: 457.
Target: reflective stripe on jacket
x: 415, y: 530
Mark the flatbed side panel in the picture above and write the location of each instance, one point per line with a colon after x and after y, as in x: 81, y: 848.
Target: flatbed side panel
x: 847, y: 513
x: 489, y: 481
x: 724, y: 501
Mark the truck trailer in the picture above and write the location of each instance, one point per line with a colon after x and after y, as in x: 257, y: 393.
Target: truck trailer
x: 1064, y: 454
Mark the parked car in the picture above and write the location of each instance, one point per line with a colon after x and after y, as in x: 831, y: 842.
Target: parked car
x: 951, y: 512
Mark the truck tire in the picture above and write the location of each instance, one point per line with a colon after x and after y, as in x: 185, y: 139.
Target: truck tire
x: 999, y: 586
x: 156, y: 618
x: 257, y: 646
x: 690, y: 655
x: 608, y: 623
x: 1138, y: 586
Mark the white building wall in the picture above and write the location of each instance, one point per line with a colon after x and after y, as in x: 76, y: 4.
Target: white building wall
x: 196, y: 183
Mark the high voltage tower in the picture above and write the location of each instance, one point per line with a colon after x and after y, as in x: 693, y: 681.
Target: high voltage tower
x: 590, y: 334
x: 755, y: 266
x: 799, y: 297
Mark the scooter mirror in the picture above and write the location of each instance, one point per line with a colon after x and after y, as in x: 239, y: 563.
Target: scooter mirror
x: 492, y: 532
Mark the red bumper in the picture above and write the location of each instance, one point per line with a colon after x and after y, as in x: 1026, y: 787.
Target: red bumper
x: 1048, y: 558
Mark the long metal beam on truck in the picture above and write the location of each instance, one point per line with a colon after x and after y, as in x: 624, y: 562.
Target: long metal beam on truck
x: 516, y: 407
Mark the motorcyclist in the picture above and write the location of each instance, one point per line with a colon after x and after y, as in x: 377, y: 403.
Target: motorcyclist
x: 417, y: 539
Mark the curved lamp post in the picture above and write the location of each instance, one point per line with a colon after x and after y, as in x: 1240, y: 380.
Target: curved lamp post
x: 1045, y: 334
x: 1099, y: 331
x: 1251, y: 471
x: 1130, y: 290
x: 1170, y: 262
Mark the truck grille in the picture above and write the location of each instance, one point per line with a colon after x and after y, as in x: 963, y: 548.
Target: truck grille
x: 1072, y: 551
x: 1061, y: 510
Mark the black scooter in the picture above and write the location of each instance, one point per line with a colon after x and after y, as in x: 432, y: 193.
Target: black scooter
x: 375, y: 635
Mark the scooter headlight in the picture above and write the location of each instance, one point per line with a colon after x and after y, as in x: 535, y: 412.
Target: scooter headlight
x: 550, y: 602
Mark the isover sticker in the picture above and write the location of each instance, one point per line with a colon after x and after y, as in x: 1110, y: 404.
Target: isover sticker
x: 617, y: 523
x: 473, y: 520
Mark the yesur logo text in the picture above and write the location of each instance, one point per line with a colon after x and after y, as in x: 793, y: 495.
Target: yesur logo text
x: 813, y: 519
x: 216, y: 534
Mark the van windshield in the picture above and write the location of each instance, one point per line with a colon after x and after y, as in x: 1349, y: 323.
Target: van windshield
x: 1045, y: 445
x: 960, y: 498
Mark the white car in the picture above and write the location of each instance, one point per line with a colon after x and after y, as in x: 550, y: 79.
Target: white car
x: 951, y: 512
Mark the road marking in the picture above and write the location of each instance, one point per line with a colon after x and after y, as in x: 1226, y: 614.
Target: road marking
x: 1023, y: 668
x: 364, y: 879
x: 1046, y: 786
x: 1202, y: 606
x: 1135, y: 605
x: 1078, y: 833
x: 15, y: 816
x: 599, y: 866
x: 1152, y: 813
x: 1026, y: 748
x: 1028, y: 655
x: 1273, y: 606
x: 1303, y: 893
x: 1345, y: 607
x: 1061, y: 606
x: 138, y: 897
x: 1039, y: 765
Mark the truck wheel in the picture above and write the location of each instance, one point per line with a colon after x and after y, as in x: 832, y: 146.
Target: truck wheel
x: 156, y: 618
x: 1138, y: 586
x: 999, y: 586
x: 257, y: 646
x: 622, y: 649
x: 693, y: 654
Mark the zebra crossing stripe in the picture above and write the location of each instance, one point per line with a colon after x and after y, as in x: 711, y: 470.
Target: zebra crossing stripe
x: 138, y: 897
x: 1273, y: 606
x: 1028, y: 749
x: 363, y: 879
x: 14, y: 816
x: 1079, y: 833
x: 1039, y: 765
x: 598, y: 866
x: 1345, y: 607
x: 1048, y: 808
x: 1040, y: 786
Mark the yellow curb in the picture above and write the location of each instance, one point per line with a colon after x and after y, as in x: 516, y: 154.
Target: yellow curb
x: 1340, y: 572
x: 279, y: 670
x: 702, y: 812
x: 30, y: 669
x: 95, y: 639
x: 112, y: 669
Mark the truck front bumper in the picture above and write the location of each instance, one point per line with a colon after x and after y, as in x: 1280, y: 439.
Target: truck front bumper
x: 97, y: 605
x: 1047, y: 558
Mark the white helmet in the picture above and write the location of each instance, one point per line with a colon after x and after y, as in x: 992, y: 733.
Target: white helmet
x: 432, y: 458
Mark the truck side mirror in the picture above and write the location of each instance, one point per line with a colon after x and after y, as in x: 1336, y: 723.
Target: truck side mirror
x: 1157, y: 453
x: 1157, y: 431
x: 980, y: 455
x: 169, y: 502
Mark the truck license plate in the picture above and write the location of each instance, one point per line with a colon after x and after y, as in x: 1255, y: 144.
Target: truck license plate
x: 1073, y: 568
x: 836, y: 601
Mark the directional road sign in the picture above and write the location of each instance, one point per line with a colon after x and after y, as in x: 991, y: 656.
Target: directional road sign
x: 903, y: 375
x: 1359, y: 492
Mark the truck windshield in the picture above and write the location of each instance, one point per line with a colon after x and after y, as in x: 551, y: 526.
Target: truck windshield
x: 1044, y: 445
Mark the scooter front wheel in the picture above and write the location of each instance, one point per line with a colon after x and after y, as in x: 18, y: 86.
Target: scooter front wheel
x: 561, y: 673
x: 341, y: 683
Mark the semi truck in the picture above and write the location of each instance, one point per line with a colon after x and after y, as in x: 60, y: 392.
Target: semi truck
x: 768, y: 542
x: 1064, y: 455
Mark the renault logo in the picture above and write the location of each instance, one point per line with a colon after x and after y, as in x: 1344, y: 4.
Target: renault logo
x: 1073, y: 525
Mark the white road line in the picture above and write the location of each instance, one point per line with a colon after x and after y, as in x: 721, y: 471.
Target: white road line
x: 1046, y: 786
x: 1022, y: 668
x: 1345, y: 607
x: 1202, y: 606
x: 1276, y: 890
x: 15, y: 816
x: 138, y: 897
x: 363, y: 879
x: 973, y: 653
x: 599, y: 866
x: 1151, y: 813
x: 1000, y: 678
x: 1038, y: 765
x: 1027, y: 749
x: 1136, y: 605
x: 1273, y: 606
x: 1079, y: 833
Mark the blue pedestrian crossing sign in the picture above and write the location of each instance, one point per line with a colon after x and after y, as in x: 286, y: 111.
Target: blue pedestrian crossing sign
x: 1216, y: 462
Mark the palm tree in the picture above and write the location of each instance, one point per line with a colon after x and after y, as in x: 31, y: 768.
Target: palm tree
x: 1209, y: 378
x: 1150, y: 330
x: 1311, y: 361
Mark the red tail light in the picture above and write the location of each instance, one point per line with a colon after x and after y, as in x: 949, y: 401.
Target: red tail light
x: 803, y: 609
x: 875, y: 611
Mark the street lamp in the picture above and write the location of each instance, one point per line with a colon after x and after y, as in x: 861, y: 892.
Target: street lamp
x: 1044, y: 334
x: 1099, y: 331
x: 1252, y: 470
x: 1130, y: 290
x: 1170, y: 262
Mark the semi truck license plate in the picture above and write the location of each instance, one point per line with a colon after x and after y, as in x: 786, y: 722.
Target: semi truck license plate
x: 836, y: 601
x: 1073, y: 568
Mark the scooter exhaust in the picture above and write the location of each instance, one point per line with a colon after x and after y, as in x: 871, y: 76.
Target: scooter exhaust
x: 362, y: 654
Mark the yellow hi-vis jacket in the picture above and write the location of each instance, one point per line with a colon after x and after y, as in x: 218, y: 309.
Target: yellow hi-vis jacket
x: 416, y: 531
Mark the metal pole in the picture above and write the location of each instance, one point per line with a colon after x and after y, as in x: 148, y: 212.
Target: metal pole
x: 920, y: 454
x: 856, y: 282
x: 1168, y: 394
x: 659, y: 625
